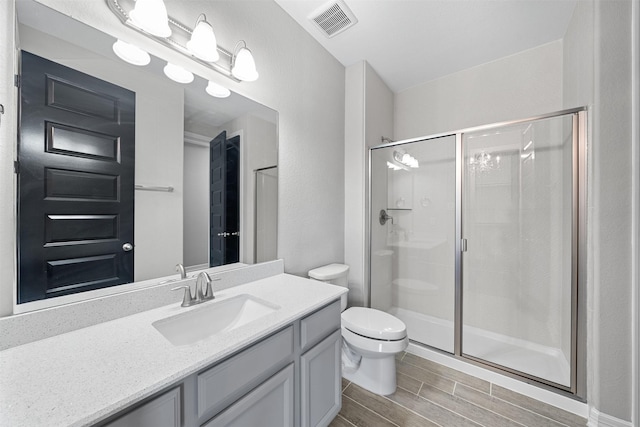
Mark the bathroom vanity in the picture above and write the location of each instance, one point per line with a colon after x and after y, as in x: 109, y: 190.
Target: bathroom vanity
x: 281, y: 368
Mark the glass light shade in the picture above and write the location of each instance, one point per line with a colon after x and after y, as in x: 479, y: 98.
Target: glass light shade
x: 244, y: 67
x: 203, y: 42
x: 214, y: 89
x: 178, y: 74
x: 131, y: 53
x: 151, y: 16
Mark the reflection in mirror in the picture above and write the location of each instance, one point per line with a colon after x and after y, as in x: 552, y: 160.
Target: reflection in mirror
x: 219, y: 155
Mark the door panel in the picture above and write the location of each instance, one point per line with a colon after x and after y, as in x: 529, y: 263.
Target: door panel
x: 224, y: 199
x: 517, y: 272
x: 217, y: 223
x: 76, y: 154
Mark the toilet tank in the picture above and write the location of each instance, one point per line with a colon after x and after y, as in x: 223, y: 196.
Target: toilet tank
x: 335, y: 274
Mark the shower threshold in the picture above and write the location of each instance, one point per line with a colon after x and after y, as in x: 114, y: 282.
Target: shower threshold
x: 530, y: 358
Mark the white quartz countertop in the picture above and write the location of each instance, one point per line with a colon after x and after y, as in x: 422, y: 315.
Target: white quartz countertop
x: 82, y: 377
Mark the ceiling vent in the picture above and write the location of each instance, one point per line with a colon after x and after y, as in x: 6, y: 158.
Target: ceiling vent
x: 333, y: 18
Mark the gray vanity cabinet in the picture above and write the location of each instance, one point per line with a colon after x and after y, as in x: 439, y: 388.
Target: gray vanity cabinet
x: 291, y: 378
x: 270, y: 404
x: 321, y: 382
x: 161, y: 411
x: 320, y: 366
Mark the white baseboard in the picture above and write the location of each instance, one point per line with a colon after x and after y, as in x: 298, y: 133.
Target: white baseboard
x: 598, y: 419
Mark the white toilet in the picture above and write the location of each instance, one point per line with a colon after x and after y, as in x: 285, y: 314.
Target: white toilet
x: 370, y: 338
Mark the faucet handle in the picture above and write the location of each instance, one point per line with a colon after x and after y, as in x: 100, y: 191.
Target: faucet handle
x: 187, y: 300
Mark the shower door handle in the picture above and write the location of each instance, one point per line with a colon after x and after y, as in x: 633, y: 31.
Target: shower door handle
x: 463, y: 245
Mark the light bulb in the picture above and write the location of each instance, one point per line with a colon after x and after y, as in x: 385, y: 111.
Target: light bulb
x: 178, y: 74
x: 214, y: 89
x: 244, y: 66
x: 151, y: 16
x: 131, y: 53
x: 203, y: 42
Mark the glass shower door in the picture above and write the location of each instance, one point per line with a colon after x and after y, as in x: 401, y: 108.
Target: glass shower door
x: 517, y: 270
x: 413, y: 237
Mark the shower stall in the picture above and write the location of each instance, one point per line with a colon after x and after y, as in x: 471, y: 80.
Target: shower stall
x: 475, y: 243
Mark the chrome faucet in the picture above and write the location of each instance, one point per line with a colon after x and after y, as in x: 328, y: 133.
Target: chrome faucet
x: 203, y: 286
x: 204, y: 290
x: 181, y: 270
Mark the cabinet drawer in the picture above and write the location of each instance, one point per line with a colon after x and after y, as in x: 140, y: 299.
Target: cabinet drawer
x: 163, y: 411
x: 228, y: 381
x: 270, y: 404
x: 318, y: 325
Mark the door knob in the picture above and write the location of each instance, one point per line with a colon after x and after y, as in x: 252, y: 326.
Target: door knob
x: 127, y: 247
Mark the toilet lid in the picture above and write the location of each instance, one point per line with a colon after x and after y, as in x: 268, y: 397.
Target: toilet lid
x: 373, y: 323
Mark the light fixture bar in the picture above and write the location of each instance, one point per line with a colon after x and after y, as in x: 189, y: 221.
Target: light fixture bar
x: 222, y: 66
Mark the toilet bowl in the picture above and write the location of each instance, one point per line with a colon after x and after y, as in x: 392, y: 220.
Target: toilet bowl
x: 370, y: 338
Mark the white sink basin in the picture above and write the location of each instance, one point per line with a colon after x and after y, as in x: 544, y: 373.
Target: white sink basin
x: 213, y: 317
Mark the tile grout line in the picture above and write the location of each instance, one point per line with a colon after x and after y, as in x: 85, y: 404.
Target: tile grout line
x: 481, y: 407
x: 452, y: 379
x: 501, y: 415
x: 411, y: 410
x: 436, y: 404
x: 534, y: 412
x: 371, y: 410
x: 346, y: 420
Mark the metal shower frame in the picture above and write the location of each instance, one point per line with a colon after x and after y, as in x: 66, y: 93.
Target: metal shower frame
x: 578, y: 386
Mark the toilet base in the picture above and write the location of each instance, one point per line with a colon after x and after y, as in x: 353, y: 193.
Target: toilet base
x: 378, y: 375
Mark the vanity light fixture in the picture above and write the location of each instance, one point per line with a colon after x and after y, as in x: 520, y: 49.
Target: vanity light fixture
x: 405, y: 159
x: 214, y: 89
x: 177, y: 73
x: 199, y: 43
x: 151, y: 16
x: 130, y: 53
x: 203, y: 41
x: 243, y: 66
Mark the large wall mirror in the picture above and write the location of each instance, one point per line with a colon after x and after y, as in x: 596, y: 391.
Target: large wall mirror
x: 176, y: 126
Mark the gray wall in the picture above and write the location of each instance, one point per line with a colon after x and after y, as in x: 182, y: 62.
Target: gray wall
x: 515, y: 87
x: 597, y: 55
x: 369, y: 116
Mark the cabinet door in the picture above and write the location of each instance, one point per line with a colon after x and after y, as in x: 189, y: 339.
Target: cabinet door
x: 163, y: 411
x: 320, y: 382
x: 270, y: 404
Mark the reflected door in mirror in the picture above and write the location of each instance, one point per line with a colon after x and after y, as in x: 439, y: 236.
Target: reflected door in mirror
x: 75, y: 181
x: 224, y: 200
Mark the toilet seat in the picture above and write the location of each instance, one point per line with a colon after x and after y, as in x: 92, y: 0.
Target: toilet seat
x: 373, y: 324
x: 373, y: 348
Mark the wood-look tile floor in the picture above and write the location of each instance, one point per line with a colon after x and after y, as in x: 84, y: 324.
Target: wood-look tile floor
x: 430, y: 394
